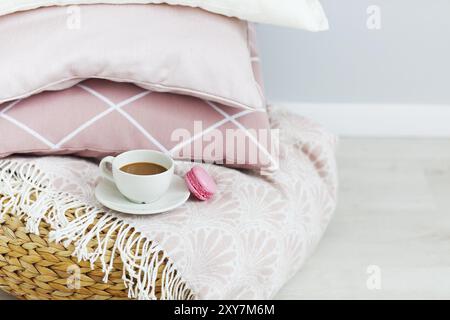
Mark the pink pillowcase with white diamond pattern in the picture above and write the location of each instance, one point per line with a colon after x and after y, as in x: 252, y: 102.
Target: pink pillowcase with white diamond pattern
x: 97, y: 118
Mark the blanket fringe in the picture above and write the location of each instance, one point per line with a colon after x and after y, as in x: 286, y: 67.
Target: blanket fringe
x: 26, y: 192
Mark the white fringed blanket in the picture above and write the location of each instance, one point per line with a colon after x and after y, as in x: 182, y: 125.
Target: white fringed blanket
x: 244, y: 244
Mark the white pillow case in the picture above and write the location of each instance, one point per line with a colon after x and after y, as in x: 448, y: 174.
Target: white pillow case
x: 303, y: 14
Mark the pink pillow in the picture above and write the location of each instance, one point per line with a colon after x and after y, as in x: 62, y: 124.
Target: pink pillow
x: 158, y: 47
x: 97, y: 118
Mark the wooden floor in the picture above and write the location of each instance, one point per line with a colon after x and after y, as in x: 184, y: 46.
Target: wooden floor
x: 393, y: 220
x: 394, y: 214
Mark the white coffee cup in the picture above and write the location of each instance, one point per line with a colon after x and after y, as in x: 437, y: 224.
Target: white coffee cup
x: 138, y: 188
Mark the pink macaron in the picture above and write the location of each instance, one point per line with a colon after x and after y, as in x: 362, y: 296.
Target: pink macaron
x: 200, y: 183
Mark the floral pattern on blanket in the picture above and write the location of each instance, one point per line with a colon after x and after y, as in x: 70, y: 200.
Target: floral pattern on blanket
x: 256, y: 232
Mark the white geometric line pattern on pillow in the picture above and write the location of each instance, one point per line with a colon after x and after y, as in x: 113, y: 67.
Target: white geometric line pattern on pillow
x: 111, y: 107
x: 118, y: 107
x: 274, y: 162
x: 209, y: 129
x: 227, y: 118
x: 23, y: 126
x: 90, y: 122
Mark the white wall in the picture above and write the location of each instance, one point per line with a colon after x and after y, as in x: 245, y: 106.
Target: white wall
x: 407, y: 61
x: 375, y: 73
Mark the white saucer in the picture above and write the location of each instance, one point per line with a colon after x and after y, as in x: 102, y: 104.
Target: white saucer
x: 108, y: 195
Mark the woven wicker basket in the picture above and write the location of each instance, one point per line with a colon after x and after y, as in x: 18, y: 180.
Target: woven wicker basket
x: 32, y: 267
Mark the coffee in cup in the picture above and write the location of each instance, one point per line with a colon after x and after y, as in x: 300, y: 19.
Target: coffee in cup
x: 142, y: 176
x: 143, y: 168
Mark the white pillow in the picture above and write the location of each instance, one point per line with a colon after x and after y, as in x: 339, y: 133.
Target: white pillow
x: 303, y: 14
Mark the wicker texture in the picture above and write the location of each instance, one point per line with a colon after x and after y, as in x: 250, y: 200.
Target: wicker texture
x: 32, y: 267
